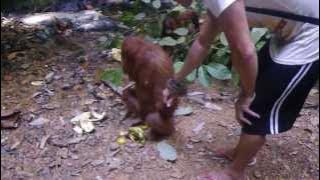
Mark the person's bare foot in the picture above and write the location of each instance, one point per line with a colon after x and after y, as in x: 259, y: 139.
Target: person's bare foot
x: 226, y: 174
x: 229, y: 154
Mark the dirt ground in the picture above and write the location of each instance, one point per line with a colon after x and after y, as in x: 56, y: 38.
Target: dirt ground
x: 51, y: 149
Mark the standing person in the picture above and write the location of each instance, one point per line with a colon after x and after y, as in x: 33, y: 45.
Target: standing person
x: 275, y: 83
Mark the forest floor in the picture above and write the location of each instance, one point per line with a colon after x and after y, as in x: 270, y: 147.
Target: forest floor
x: 45, y: 146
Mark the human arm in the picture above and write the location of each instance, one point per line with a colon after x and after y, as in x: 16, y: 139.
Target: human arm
x: 243, y: 55
x: 200, y: 47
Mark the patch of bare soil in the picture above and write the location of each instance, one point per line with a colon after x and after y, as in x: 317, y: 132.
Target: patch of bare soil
x: 50, y: 92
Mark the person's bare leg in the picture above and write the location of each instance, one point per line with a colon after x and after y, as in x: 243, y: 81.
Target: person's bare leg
x: 246, y: 150
x: 200, y: 47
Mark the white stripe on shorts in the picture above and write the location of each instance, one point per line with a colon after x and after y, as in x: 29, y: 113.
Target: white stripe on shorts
x: 274, y: 117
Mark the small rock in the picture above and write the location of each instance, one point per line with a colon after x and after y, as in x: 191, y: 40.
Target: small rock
x: 114, y: 164
x: 50, y: 106
x: 189, y: 146
x: 103, y: 39
x: 129, y: 170
x: 3, y: 140
x: 196, y: 99
x: 12, y: 56
x: 196, y: 93
x: 66, y: 86
x: 209, y: 138
x: 49, y: 77
x: 177, y: 174
x: 114, y: 146
x: 97, y: 162
x: 89, y: 101
x: 100, y: 95
x: 37, y: 83
x: 39, y: 122
x: 195, y: 140
x: 99, y: 178
x: 257, y: 174
x: 293, y: 153
x: 57, y: 77
x: 63, y: 153
x: 199, y: 127
x: 212, y: 106
x: 76, y: 140
x: 315, y: 121
x: 25, y: 66
x: 74, y: 156
x: 44, y: 141
x: 15, y: 145
x: 8, y: 78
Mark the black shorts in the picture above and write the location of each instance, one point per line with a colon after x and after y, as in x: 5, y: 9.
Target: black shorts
x: 281, y: 91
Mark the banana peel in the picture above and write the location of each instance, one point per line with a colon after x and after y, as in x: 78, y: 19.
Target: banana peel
x: 135, y: 134
x: 121, y: 140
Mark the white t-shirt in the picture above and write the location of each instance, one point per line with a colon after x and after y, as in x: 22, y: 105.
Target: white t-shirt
x: 294, y: 43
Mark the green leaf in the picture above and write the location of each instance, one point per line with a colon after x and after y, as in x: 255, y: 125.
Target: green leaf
x: 114, y: 76
x: 140, y: 16
x: 260, y: 45
x: 224, y: 60
x: 223, y: 39
x: 153, y: 29
x: 257, y: 34
x: 128, y: 18
x: 191, y: 77
x: 203, y: 76
x: 150, y: 39
x: 219, y: 71
x: 116, y: 42
x: 179, y: 8
x: 156, y: 4
x: 178, y: 66
x: 181, y: 40
x: 181, y: 31
x: 168, y: 41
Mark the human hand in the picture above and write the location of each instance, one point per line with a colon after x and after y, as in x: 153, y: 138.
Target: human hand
x: 243, y: 106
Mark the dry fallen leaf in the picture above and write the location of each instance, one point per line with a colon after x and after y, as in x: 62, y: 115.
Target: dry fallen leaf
x: 84, y: 122
x: 78, y: 129
x: 37, y: 83
x: 9, y: 119
x: 83, y: 116
x: 98, y: 117
x: 212, y: 106
x: 87, y: 125
x: 116, y: 54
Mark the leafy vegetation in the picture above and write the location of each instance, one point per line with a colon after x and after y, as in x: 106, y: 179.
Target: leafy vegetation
x: 147, y: 18
x: 24, y: 4
x: 114, y: 76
